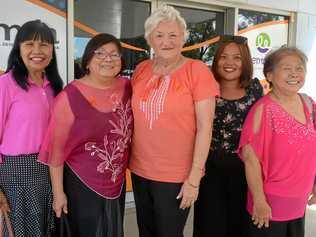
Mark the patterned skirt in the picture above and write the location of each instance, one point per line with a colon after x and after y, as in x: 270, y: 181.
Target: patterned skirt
x: 26, y: 185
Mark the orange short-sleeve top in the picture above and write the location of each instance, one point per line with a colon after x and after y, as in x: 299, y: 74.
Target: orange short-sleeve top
x: 164, y: 119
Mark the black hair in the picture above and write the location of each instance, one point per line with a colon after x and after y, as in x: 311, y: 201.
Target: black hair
x: 33, y: 30
x: 247, y: 65
x: 78, y: 71
x: 95, y: 43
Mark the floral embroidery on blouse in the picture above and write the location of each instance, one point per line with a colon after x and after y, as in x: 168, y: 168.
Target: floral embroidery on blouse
x: 113, y: 151
x: 229, y: 118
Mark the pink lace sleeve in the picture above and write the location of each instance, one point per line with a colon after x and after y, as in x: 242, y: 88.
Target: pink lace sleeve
x: 257, y: 133
x: 54, y: 148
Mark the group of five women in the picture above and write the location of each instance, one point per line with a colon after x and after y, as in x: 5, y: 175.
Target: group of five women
x: 180, y: 128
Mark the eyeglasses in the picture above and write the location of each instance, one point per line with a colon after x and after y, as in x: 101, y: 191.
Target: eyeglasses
x: 233, y: 38
x: 101, y: 54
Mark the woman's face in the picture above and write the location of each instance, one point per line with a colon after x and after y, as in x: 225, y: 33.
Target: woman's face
x: 106, y: 61
x: 36, y: 54
x: 288, y: 75
x: 229, y: 64
x: 167, y: 39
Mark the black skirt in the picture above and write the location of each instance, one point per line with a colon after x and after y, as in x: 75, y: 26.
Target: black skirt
x: 26, y: 185
x: 89, y: 214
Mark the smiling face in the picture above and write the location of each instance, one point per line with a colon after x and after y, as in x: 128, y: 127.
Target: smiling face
x: 229, y: 66
x: 288, y: 75
x: 36, y: 54
x: 167, y: 39
x: 106, y: 61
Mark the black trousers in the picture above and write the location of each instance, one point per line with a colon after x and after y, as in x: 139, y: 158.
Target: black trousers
x: 220, y: 210
x: 292, y: 228
x: 157, y: 209
x: 89, y: 214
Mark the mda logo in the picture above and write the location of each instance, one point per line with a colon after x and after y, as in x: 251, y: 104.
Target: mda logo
x: 263, y: 42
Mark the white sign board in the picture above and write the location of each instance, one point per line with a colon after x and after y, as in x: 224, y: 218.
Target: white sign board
x: 262, y: 39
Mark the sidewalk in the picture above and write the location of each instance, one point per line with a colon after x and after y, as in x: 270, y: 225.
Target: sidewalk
x: 131, y: 225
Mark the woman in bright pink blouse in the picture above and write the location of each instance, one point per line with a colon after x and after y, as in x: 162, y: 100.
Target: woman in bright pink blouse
x: 278, y: 147
x: 87, y: 143
x: 27, y: 90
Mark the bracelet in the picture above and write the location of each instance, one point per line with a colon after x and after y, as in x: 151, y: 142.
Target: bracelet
x: 192, y: 185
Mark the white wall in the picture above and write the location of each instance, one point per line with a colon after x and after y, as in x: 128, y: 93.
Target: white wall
x: 306, y: 40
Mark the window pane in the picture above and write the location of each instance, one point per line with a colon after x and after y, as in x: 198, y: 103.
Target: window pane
x: 250, y: 18
x: 116, y: 17
x: 202, y: 25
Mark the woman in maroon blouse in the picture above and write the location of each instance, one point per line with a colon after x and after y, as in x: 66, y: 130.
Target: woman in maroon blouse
x: 87, y: 143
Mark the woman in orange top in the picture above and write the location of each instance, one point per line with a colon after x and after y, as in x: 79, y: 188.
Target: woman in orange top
x: 173, y: 105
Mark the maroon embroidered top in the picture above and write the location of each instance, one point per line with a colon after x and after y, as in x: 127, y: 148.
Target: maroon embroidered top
x: 91, y: 131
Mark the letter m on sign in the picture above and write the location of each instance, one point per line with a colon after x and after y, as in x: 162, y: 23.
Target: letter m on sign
x: 7, y: 30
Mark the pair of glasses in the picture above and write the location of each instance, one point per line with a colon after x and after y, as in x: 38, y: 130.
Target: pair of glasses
x: 100, y: 54
x: 233, y: 38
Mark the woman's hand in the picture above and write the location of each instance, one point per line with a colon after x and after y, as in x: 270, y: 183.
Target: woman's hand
x: 312, y: 200
x: 60, y: 204
x: 188, y: 193
x: 261, y: 213
x: 4, y: 205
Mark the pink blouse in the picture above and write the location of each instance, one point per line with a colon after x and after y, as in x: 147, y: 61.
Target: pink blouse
x: 285, y: 148
x: 24, y: 116
x: 90, y: 131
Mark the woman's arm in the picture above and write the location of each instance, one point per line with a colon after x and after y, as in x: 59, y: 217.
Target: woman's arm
x: 204, y: 113
x: 60, y: 199
x: 261, y: 213
x: 4, y: 206
x: 261, y: 210
x: 4, y: 108
x: 53, y: 150
x: 312, y: 200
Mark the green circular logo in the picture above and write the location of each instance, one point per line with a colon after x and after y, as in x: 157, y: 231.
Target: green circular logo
x: 263, y: 42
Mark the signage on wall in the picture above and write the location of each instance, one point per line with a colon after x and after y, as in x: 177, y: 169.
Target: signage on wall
x: 15, y: 13
x: 263, y: 38
x: 10, y: 31
x: 263, y: 42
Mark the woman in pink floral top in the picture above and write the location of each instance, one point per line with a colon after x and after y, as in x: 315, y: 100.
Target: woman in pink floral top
x: 87, y: 143
x: 278, y: 147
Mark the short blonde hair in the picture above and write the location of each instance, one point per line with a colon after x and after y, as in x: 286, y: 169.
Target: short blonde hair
x: 164, y: 13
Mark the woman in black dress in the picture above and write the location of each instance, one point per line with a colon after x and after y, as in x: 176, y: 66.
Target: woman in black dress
x: 220, y: 210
